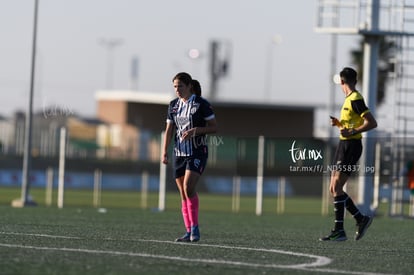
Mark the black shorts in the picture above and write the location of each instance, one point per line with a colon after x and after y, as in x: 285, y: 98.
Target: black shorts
x: 347, y: 155
x: 193, y: 163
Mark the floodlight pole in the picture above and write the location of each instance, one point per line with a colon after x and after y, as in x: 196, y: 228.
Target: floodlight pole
x: 218, y: 66
x: 110, y: 45
x: 27, y: 154
x: 276, y: 40
x: 214, y: 73
x: 371, y: 52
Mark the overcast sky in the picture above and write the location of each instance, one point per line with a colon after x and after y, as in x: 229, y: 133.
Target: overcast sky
x: 72, y: 63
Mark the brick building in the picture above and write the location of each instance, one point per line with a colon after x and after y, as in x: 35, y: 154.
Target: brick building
x: 140, y: 119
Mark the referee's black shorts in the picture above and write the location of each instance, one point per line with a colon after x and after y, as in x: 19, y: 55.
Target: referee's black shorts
x: 347, y: 155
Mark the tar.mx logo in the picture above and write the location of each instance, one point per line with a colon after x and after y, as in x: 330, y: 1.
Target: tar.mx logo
x: 298, y: 153
x: 56, y: 111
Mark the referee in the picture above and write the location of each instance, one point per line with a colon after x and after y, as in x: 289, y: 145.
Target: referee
x: 191, y: 117
x: 355, y: 119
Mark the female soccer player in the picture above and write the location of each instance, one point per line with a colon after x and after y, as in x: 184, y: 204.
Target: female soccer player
x: 191, y: 117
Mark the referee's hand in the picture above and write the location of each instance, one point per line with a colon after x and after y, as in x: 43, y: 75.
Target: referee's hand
x: 335, y: 122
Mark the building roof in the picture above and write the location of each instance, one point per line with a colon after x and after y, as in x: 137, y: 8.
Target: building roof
x: 148, y: 111
x: 134, y: 96
x: 164, y: 99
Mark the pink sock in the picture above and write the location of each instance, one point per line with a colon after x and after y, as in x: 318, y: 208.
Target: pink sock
x: 186, y: 216
x: 192, y: 205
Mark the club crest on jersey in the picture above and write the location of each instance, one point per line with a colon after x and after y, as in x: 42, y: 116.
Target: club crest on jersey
x: 194, y: 108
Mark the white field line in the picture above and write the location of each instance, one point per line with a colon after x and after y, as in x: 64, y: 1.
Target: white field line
x: 41, y: 235
x: 320, y: 261
x: 155, y: 256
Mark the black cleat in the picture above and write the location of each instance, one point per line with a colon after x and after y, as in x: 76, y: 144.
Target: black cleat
x: 362, y: 227
x: 335, y: 236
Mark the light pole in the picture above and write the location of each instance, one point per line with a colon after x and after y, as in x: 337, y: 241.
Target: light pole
x: 220, y: 53
x: 276, y: 40
x: 27, y: 154
x: 195, y: 55
x: 110, y: 45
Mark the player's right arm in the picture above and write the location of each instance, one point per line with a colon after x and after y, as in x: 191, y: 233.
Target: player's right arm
x: 168, y: 134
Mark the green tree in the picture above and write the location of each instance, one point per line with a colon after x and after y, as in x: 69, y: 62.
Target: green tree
x: 387, y: 48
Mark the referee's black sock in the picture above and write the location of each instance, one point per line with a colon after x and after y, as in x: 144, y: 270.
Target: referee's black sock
x: 350, y: 206
x: 339, y: 207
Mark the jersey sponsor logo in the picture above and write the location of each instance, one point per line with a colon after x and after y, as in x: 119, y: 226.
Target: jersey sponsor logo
x: 182, y: 120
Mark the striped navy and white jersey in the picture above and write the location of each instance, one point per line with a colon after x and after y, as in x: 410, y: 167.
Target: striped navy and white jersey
x: 186, y: 115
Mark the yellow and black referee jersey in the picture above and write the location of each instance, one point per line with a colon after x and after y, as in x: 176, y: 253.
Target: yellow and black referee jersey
x: 352, y: 112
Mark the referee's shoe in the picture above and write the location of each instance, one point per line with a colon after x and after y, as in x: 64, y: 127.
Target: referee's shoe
x: 335, y: 236
x: 362, y: 227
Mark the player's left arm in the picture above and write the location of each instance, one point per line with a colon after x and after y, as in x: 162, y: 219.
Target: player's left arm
x: 210, y: 128
x: 211, y: 124
x: 369, y: 123
x: 209, y: 117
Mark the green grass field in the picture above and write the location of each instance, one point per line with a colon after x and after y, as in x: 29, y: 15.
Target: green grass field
x: 126, y: 239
